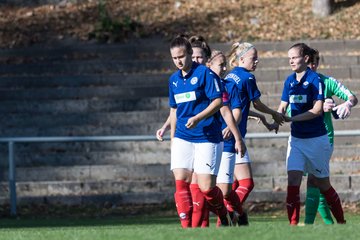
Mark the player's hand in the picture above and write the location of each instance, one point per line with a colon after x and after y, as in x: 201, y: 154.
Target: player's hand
x: 329, y: 104
x: 279, y: 118
x: 192, y: 122
x: 160, y: 134
x: 240, y: 148
x: 343, y: 110
x: 274, y: 126
x: 227, y: 134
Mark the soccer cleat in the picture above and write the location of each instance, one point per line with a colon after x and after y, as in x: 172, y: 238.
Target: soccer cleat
x: 234, y: 216
x: 225, y: 221
x: 243, y: 220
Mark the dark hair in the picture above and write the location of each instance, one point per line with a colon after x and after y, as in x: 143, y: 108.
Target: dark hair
x: 303, y: 49
x: 199, y: 42
x: 181, y: 41
x: 314, y: 56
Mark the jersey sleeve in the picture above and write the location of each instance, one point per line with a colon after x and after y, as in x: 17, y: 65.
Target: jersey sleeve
x: 225, y: 95
x: 318, y: 89
x: 334, y: 87
x: 252, y: 88
x: 213, y: 88
x: 172, y: 102
x: 285, y: 92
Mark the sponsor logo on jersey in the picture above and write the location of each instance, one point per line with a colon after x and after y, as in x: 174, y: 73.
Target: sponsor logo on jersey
x: 175, y: 83
x: 194, y: 80
x: 233, y: 77
x: 185, y: 97
x: 298, y: 99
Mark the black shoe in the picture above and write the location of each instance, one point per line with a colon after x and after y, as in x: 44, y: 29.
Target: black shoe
x: 234, y: 216
x: 225, y: 221
x: 243, y: 220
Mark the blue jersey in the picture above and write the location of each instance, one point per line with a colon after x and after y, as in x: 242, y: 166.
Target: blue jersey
x: 242, y: 89
x: 190, y: 95
x: 301, y: 96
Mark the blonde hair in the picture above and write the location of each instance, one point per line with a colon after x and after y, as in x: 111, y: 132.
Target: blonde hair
x: 237, y: 51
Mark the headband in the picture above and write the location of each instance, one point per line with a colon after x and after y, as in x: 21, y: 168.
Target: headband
x: 248, y: 47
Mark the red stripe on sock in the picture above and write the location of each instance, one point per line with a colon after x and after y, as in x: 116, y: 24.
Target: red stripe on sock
x: 293, y: 204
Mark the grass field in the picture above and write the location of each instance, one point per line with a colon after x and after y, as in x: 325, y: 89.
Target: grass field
x: 150, y: 227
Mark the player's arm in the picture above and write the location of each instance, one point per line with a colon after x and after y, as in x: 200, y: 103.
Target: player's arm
x: 213, y: 107
x: 342, y: 92
x: 165, y: 127
x: 173, y: 120
x: 262, y: 118
x: 231, y: 124
x: 258, y: 105
x: 314, y: 112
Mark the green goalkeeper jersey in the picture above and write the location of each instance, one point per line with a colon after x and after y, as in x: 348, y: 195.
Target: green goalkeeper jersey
x: 333, y: 88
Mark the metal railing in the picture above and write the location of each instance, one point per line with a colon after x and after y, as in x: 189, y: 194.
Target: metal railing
x: 12, y: 140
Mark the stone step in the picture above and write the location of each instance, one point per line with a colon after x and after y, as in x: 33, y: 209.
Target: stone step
x: 127, y: 81
x: 268, y: 160
x: 118, y: 172
x: 270, y: 189
x: 84, y: 67
x: 58, y: 106
x: 82, y: 130
x: 77, y: 81
x: 33, y: 106
x: 104, y: 64
x: 83, y: 93
x: 117, y: 123
x: 38, y: 156
x: 91, y: 67
x: 159, y: 48
x: 114, y: 119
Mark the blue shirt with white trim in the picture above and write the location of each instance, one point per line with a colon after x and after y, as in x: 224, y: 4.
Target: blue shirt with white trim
x: 301, y: 96
x: 242, y: 89
x: 190, y: 95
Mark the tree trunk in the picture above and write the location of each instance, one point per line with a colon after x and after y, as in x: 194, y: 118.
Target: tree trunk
x: 322, y: 8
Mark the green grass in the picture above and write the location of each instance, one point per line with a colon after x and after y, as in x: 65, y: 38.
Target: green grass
x: 147, y: 227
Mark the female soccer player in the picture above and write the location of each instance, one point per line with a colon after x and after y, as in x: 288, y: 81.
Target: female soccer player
x: 194, y: 99
x: 242, y: 89
x: 314, y: 200
x: 225, y: 177
x: 200, y: 213
x: 309, y: 149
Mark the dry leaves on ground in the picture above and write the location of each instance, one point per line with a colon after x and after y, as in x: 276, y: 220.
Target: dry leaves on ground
x: 218, y: 21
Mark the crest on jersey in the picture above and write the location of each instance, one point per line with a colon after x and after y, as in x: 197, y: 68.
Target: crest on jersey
x: 194, y: 80
x: 305, y: 84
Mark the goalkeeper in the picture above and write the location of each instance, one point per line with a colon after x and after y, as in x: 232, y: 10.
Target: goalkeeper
x: 314, y: 200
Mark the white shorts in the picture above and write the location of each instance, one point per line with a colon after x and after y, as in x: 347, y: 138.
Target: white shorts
x: 226, y: 170
x: 245, y: 158
x: 311, y: 155
x: 202, y: 158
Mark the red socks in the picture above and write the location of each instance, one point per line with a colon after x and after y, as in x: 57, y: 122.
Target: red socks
x: 215, y: 199
x: 293, y: 204
x: 183, y: 202
x: 200, y: 214
x: 243, y: 188
x: 232, y: 202
x: 333, y: 200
